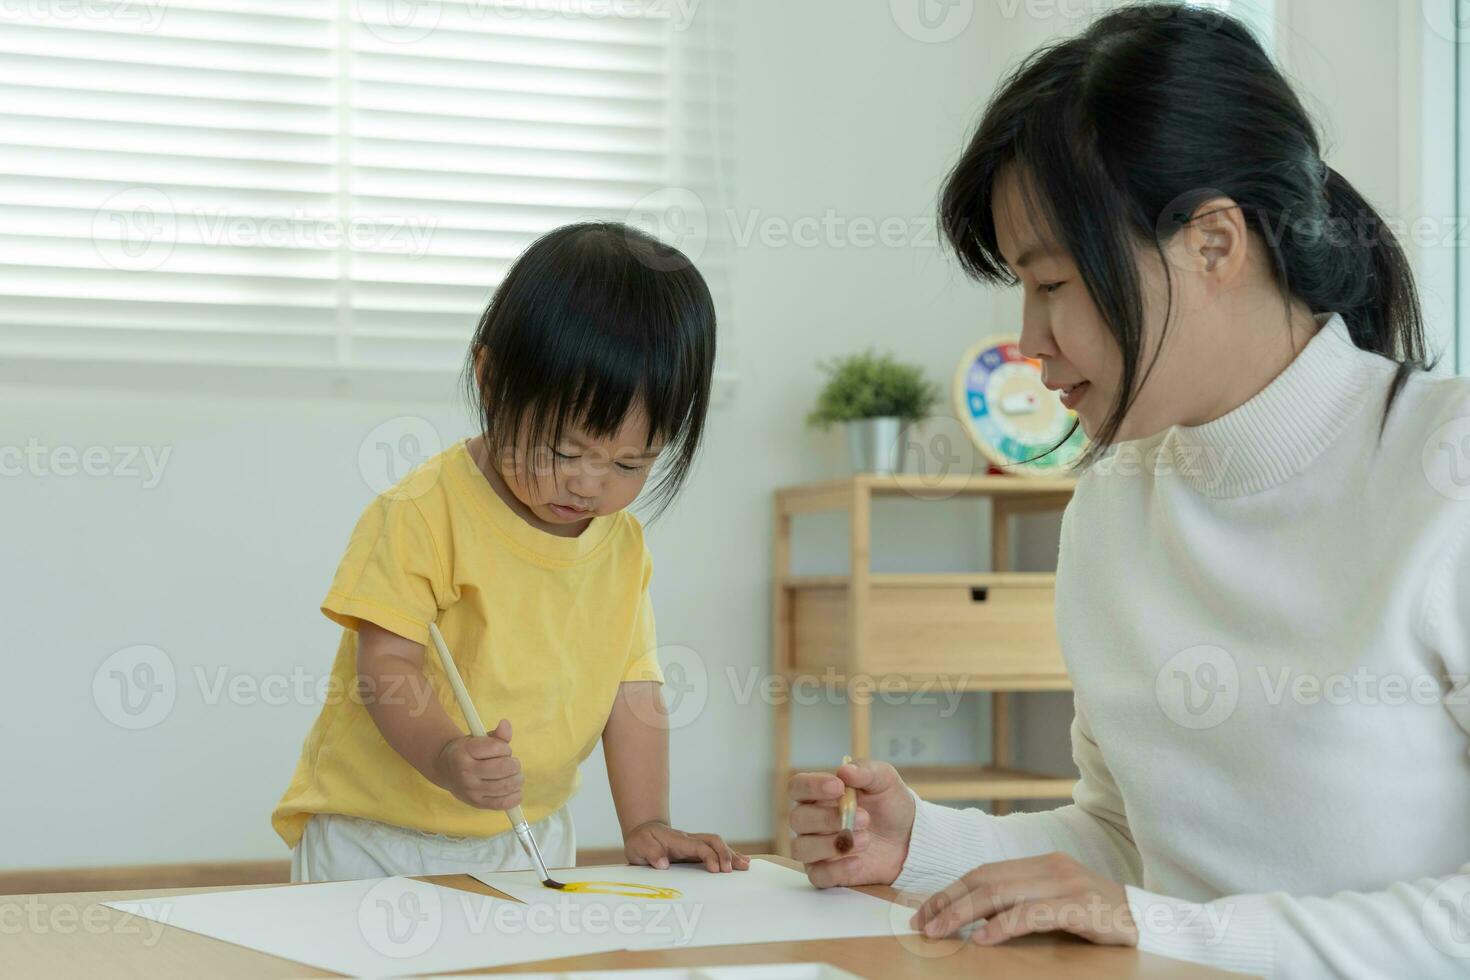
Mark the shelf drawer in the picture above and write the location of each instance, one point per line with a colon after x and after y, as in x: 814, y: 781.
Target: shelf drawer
x: 999, y: 633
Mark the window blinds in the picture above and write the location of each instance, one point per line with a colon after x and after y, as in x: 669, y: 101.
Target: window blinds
x: 334, y: 183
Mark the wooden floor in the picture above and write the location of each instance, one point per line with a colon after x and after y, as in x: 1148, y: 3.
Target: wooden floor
x: 207, y: 874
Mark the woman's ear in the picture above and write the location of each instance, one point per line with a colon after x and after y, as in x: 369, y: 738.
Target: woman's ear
x: 1215, y: 240
x: 480, y: 353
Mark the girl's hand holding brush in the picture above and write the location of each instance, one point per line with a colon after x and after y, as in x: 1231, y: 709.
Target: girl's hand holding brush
x: 480, y: 769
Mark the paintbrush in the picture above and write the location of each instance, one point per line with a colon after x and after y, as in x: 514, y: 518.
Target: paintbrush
x: 477, y: 727
x: 849, y: 814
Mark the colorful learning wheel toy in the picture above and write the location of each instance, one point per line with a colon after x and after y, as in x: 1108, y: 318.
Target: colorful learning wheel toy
x: 1011, y: 416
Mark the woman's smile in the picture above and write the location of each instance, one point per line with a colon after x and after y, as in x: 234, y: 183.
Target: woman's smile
x: 1072, y: 395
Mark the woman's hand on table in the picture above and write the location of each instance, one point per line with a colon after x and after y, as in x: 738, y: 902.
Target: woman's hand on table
x: 884, y: 822
x: 1049, y: 893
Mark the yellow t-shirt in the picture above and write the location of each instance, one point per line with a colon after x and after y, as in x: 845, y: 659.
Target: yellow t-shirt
x: 543, y: 629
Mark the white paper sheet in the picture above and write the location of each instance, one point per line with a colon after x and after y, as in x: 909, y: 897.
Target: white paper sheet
x: 384, y: 926
x: 759, y: 971
x: 765, y: 904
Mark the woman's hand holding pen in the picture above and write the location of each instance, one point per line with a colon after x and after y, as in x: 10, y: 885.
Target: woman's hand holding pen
x: 480, y: 770
x: 1007, y: 898
x: 885, y: 819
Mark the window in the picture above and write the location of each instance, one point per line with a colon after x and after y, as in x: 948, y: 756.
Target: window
x: 333, y: 183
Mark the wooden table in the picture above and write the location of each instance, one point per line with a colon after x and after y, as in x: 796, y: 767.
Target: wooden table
x: 73, y: 935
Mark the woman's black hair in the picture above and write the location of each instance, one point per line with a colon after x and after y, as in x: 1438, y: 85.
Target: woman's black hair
x: 1117, y: 136
x: 591, y: 322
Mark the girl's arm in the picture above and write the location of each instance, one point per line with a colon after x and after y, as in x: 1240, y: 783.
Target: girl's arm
x: 393, y: 688
x: 637, y: 755
x: 390, y: 675
x: 635, y: 744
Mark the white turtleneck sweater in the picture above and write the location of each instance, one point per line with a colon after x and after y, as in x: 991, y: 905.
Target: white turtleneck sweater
x: 1267, y: 623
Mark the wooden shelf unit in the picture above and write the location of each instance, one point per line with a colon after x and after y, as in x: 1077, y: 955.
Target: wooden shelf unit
x: 983, y: 783
x: 982, y: 631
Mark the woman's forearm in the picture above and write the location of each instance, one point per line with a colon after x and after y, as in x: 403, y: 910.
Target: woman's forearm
x: 946, y: 842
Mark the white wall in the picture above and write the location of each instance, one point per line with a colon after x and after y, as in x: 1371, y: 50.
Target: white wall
x: 222, y: 564
x: 1379, y: 80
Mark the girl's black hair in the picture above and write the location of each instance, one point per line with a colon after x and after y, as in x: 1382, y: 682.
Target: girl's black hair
x: 1120, y: 133
x: 593, y: 321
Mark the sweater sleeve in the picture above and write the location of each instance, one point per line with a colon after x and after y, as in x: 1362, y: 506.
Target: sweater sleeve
x: 946, y: 842
x: 1418, y: 928
x: 1415, y: 928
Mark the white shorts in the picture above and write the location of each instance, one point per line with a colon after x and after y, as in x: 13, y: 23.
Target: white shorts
x: 339, y: 848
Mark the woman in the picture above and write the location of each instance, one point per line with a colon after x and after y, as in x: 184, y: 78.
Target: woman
x: 1263, y: 590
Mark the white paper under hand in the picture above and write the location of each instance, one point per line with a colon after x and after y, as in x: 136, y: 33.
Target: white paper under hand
x: 767, y: 903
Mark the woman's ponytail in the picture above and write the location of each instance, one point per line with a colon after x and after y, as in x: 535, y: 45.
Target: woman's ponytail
x: 1351, y: 263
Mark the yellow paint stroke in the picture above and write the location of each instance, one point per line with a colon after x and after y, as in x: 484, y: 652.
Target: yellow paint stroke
x: 622, y: 888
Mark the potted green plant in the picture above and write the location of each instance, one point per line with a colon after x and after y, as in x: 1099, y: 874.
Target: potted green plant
x: 873, y: 395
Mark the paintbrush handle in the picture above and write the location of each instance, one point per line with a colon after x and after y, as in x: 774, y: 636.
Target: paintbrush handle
x: 848, y: 810
x: 466, y: 706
